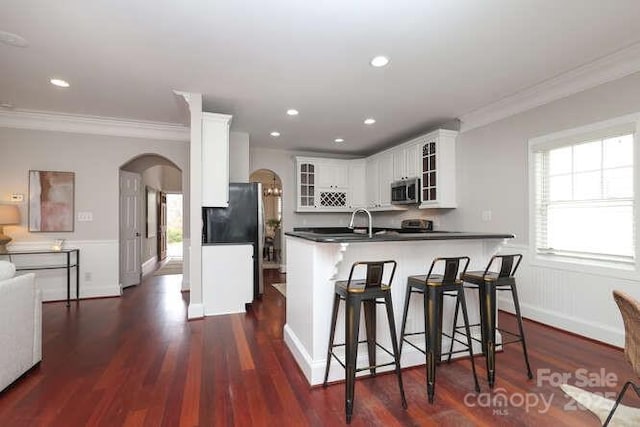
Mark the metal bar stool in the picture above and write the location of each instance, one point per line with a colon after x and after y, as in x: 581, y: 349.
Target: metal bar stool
x: 434, y: 287
x: 366, y: 292
x: 487, y: 282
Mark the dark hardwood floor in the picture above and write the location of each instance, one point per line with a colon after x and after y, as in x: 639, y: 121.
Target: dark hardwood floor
x: 136, y: 361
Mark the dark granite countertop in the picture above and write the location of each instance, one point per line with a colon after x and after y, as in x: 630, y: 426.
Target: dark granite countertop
x: 359, y: 235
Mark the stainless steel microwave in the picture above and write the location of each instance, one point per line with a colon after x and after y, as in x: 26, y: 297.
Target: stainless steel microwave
x: 405, y: 192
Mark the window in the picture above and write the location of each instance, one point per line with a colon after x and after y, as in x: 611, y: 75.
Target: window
x: 584, y: 204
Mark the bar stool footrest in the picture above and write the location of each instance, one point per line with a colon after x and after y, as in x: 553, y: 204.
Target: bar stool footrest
x: 335, y: 356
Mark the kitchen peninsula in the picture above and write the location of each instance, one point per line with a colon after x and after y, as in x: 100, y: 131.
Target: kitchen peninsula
x: 317, y: 257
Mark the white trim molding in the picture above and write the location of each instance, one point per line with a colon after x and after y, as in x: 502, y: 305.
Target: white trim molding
x: 92, y: 125
x: 606, y: 69
x: 195, y: 311
x: 149, y: 265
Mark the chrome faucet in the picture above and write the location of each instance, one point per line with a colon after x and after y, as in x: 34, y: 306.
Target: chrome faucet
x: 353, y: 215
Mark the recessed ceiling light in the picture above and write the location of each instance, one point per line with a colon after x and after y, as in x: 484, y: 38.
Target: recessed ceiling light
x: 292, y: 112
x: 339, y: 140
x: 369, y: 121
x: 59, y: 83
x: 275, y: 134
x: 13, y: 39
x: 379, y: 61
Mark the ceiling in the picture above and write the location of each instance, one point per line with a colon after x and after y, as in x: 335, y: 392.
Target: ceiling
x: 255, y: 59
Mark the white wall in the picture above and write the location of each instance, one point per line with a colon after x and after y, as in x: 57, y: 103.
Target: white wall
x: 492, y: 175
x: 96, y: 161
x: 238, y: 157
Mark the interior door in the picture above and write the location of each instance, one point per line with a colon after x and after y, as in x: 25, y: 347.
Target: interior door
x: 130, y: 226
x: 162, y: 226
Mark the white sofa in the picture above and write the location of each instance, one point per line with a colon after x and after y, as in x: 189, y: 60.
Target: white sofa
x: 20, y: 327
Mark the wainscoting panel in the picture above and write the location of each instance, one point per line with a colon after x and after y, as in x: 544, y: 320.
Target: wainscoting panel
x: 98, y: 269
x: 567, y: 298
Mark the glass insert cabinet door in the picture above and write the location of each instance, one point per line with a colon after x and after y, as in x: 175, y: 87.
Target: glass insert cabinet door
x: 429, y: 172
x: 307, y: 184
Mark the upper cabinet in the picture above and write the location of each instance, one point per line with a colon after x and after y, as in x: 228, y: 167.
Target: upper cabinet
x: 333, y: 173
x: 306, y: 184
x: 215, y: 160
x: 406, y: 161
x: 322, y: 185
x: 357, y: 184
x: 379, y: 176
x: 337, y: 185
x: 438, y: 169
x: 372, y: 184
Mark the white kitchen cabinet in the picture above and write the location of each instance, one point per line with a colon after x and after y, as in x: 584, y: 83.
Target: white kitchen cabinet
x: 438, y: 155
x: 406, y: 161
x: 357, y: 184
x: 306, y: 173
x: 333, y: 173
x: 215, y: 159
x: 322, y: 185
x: 338, y: 185
x: 379, y: 176
x: 385, y: 175
x: 373, y: 182
x: 227, y: 278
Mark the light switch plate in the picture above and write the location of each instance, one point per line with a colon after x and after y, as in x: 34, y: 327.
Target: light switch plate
x: 486, y: 215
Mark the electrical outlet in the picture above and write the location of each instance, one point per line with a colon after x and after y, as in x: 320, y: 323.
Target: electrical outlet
x: 486, y: 216
x: 17, y: 197
x: 87, y: 276
x: 85, y: 216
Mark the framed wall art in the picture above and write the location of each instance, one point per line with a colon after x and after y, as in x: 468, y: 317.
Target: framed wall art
x: 51, y: 201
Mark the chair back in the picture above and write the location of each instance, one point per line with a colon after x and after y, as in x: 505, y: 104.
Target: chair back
x: 508, y: 265
x: 374, y: 272
x: 630, y: 310
x: 454, y: 268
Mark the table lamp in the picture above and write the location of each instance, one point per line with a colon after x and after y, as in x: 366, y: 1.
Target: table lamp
x: 9, y: 215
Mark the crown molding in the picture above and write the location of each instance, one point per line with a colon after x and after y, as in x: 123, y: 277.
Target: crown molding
x: 93, y: 125
x: 217, y: 117
x: 606, y: 69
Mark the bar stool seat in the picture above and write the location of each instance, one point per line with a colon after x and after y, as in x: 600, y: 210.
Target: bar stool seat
x: 356, y: 293
x: 434, y: 287
x: 487, y: 282
x: 358, y: 287
x: 420, y: 280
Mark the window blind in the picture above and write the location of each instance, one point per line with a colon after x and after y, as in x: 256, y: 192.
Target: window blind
x: 584, y: 196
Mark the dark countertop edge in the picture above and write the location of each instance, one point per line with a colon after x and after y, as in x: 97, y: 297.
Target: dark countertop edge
x: 320, y: 238
x: 227, y: 243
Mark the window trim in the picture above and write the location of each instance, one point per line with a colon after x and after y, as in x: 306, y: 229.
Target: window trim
x: 594, y: 266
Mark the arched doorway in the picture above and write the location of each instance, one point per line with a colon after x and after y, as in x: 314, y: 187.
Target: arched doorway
x: 145, y: 182
x: 272, y: 204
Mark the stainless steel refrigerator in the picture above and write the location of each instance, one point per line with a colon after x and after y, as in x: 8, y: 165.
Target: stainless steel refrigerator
x: 241, y: 222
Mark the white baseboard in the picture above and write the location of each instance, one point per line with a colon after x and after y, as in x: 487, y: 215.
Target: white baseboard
x: 149, y: 265
x: 186, y: 285
x: 299, y: 354
x: 195, y: 311
x: 592, y: 330
x: 85, y: 292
